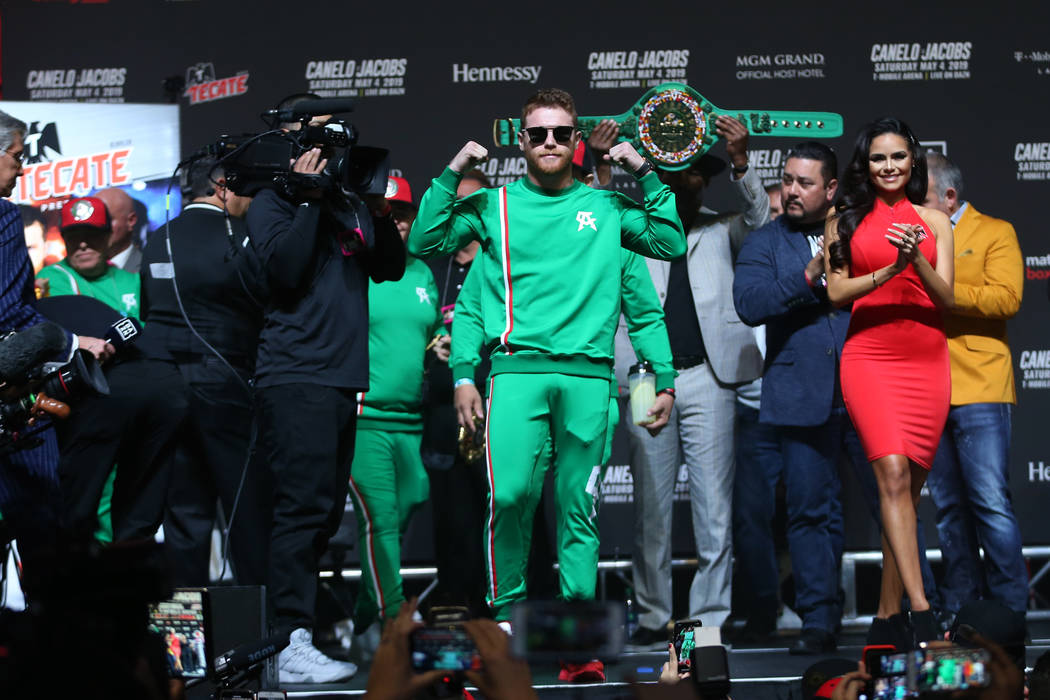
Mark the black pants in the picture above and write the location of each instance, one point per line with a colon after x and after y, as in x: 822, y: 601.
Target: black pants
x: 306, y: 433
x: 133, y: 429
x: 211, y: 456
x: 459, y: 499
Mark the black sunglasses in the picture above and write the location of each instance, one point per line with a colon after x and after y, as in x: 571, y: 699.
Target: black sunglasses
x: 538, y: 134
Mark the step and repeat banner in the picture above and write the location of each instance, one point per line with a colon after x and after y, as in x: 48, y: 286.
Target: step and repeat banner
x: 428, y: 78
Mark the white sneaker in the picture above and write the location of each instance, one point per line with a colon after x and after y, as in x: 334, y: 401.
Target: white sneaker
x: 344, y: 632
x: 366, y: 642
x: 302, y: 662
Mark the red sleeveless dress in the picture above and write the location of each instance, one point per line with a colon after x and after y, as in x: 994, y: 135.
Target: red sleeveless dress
x: 896, y: 377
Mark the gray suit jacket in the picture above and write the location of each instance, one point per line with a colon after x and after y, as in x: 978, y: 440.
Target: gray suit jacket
x: 711, y: 248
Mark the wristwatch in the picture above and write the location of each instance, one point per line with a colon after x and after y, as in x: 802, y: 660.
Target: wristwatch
x: 644, y: 169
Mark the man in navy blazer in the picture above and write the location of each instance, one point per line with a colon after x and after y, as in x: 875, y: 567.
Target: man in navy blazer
x: 29, y: 496
x: 779, y: 281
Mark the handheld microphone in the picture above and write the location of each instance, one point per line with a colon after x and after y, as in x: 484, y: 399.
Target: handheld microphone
x: 26, y: 349
x: 245, y: 656
x: 123, y: 333
x: 313, y: 107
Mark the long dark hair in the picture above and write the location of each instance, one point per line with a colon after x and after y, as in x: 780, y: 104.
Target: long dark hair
x: 856, y: 194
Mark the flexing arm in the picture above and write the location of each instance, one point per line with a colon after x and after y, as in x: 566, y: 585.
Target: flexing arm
x: 443, y: 224
x: 999, y: 296
x: 762, y: 288
x: 653, y: 228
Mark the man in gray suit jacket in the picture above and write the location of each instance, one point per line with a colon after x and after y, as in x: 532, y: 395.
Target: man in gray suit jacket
x: 714, y: 353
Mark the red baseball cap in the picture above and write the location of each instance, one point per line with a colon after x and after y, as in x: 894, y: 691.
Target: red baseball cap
x: 397, y: 190
x: 85, y: 212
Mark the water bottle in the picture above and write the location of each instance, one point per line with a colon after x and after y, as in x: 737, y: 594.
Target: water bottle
x: 642, y: 383
x: 631, y: 618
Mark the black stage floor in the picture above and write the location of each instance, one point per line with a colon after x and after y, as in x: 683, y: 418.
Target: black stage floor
x: 767, y: 673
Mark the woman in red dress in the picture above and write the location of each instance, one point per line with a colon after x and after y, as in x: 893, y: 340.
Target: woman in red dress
x: 893, y: 260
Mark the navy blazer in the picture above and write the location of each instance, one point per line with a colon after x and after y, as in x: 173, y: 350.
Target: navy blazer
x: 804, y: 332
x: 17, y: 293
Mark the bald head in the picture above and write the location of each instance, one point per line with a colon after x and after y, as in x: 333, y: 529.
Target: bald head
x: 122, y: 214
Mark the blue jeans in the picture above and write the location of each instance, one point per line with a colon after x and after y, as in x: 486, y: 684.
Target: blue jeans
x: 814, y: 510
x: 969, y: 484
x: 758, y: 468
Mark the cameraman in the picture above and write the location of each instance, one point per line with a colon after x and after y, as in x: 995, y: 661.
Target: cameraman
x: 221, y: 290
x: 318, y: 246
x: 30, y: 500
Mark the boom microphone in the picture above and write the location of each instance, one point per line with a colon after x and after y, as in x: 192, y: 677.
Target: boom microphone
x: 27, y: 349
x: 247, y: 655
x: 313, y: 107
x: 123, y: 333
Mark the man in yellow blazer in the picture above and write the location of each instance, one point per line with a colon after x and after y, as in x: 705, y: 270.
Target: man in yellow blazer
x: 969, y: 481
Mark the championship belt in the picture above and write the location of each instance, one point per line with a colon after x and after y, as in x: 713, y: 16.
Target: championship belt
x: 673, y: 125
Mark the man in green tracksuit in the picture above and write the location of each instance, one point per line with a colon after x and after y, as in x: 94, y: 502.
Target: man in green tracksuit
x: 550, y: 307
x: 387, y: 479
x: 644, y: 319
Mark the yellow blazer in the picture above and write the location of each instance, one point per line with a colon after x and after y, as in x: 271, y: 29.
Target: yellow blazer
x: 989, y: 279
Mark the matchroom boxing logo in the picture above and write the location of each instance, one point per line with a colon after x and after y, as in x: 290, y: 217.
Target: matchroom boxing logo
x: 1037, y: 267
x: 637, y: 69
x: 202, y: 85
x: 77, y: 85
x: 935, y: 60
x: 1033, y: 161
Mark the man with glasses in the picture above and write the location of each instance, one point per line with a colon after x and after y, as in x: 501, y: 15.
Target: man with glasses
x: 30, y: 500
x: 549, y: 308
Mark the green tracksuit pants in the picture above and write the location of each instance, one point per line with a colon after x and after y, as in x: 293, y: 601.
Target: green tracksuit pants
x: 387, y: 485
x: 524, y: 412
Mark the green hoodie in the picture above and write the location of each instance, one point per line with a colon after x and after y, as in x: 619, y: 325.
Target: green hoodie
x: 403, y: 316
x: 552, y: 303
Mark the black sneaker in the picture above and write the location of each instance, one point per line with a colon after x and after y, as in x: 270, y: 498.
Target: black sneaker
x: 813, y: 641
x: 645, y: 638
x: 925, y: 626
x: 894, y: 631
